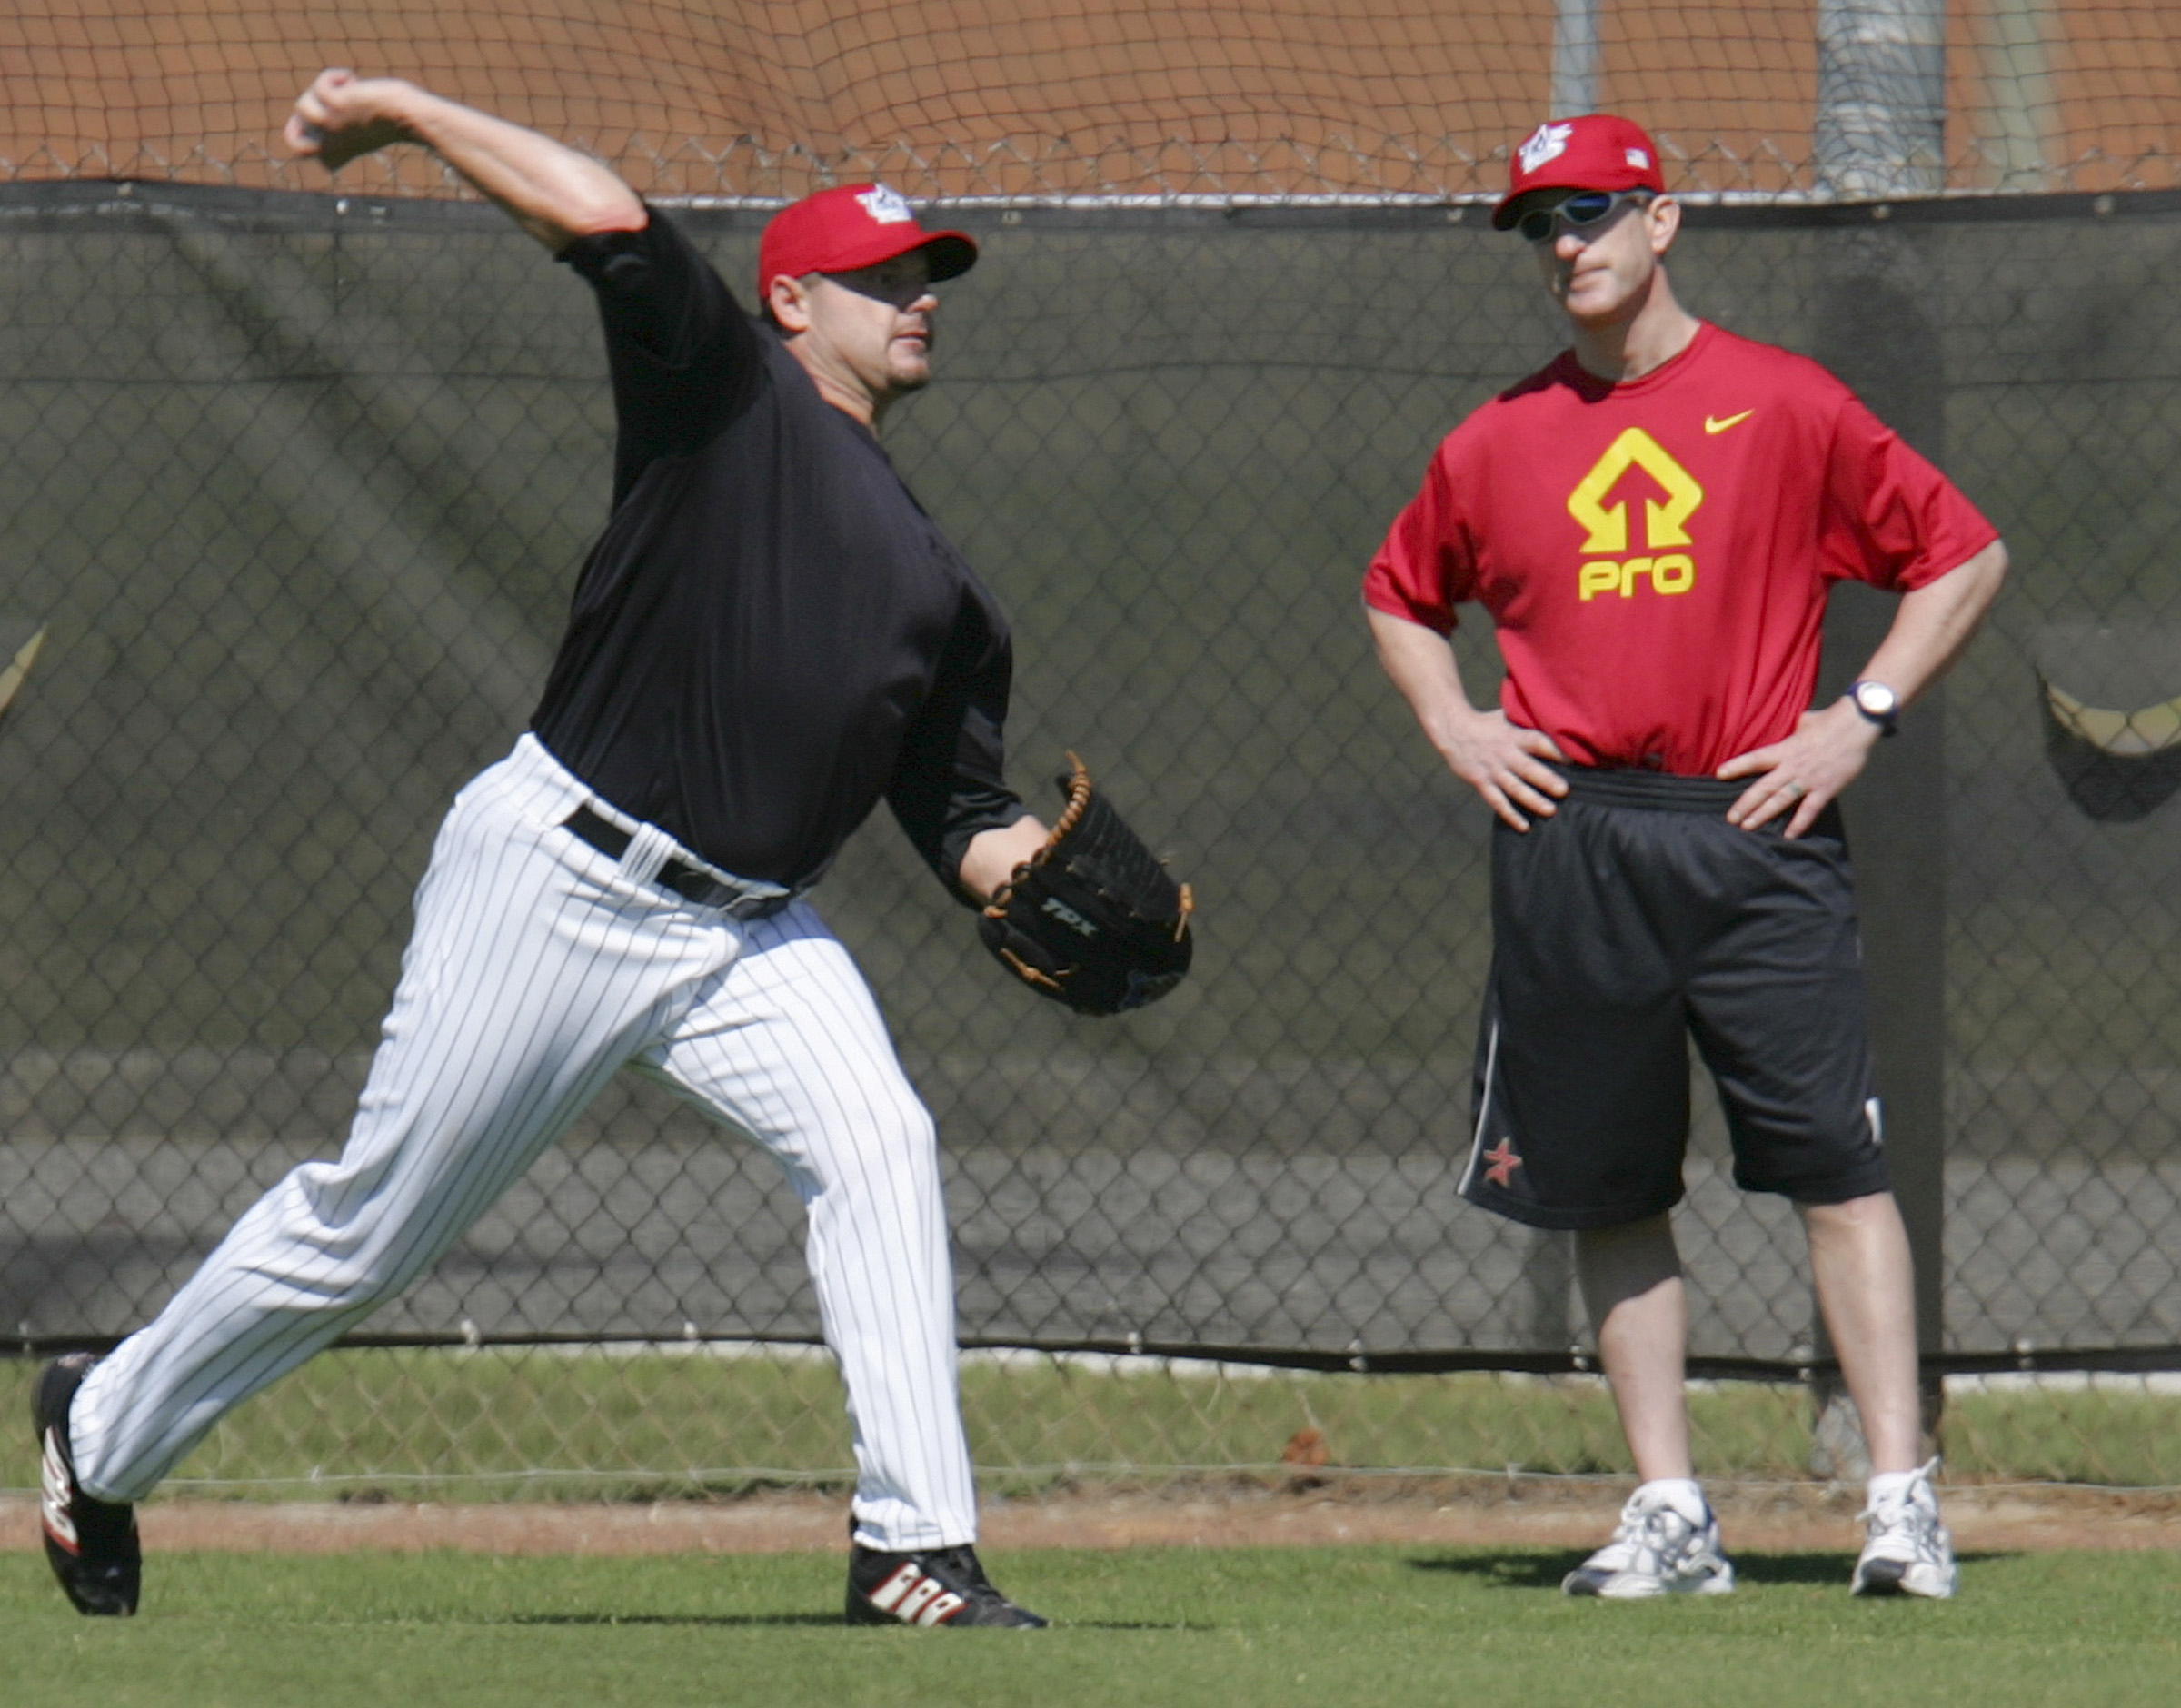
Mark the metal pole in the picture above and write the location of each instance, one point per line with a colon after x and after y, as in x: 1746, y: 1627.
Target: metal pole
x: 1881, y: 96
x: 1549, y: 1262
x: 1881, y: 132
x: 2018, y: 135
x: 1575, y: 57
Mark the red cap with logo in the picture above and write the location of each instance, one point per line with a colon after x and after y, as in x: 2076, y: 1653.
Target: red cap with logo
x: 1596, y: 152
x: 849, y: 226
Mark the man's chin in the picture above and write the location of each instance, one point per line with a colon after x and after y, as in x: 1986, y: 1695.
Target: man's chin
x: 1594, y: 309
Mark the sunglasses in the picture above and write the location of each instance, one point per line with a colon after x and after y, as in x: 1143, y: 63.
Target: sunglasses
x: 1584, y: 208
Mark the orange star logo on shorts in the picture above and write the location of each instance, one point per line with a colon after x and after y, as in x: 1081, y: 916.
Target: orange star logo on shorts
x: 1504, y: 1162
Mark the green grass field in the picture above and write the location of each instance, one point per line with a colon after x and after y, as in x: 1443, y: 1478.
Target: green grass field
x: 524, y: 1423
x: 1173, y: 1627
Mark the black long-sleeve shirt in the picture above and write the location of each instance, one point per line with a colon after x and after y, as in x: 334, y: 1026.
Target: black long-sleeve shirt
x: 772, y: 634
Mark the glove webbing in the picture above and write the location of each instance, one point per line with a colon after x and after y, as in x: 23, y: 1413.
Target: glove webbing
x: 1094, y: 844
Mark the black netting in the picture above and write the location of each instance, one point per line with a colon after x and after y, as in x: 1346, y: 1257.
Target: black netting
x: 294, y: 490
x: 1066, y: 97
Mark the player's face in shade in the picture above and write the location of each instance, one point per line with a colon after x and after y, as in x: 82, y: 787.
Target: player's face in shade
x: 1601, y: 274
x: 876, y: 324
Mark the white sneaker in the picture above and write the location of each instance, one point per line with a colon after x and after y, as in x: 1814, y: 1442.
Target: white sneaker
x: 1907, y: 1550
x: 1658, y: 1550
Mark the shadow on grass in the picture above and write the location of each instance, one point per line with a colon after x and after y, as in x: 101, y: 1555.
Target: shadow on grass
x: 726, y: 1622
x: 723, y: 1622
x: 1832, y: 1567
x: 1527, y: 1569
x: 1135, y: 1625
x: 1523, y: 1569
x: 1827, y: 1567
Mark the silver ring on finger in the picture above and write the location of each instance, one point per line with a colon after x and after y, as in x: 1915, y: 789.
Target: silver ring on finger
x: 1796, y: 792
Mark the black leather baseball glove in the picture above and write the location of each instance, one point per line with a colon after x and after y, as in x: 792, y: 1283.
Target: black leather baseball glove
x: 1091, y: 920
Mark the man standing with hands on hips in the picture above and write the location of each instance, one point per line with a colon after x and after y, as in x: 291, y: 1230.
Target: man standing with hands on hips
x: 1653, y: 522
x: 770, y: 637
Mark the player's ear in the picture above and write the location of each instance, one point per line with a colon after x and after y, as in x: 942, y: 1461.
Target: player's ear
x: 789, y: 300
x: 1663, y: 217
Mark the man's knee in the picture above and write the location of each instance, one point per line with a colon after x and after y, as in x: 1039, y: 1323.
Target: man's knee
x: 1867, y: 1209
x: 887, y: 1148
x: 906, y: 1133
x: 1854, y: 1222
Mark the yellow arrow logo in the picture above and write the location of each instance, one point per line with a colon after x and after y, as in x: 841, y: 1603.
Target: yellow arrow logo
x: 1608, y: 525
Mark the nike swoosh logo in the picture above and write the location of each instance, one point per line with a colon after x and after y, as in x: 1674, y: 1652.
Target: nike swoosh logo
x: 1713, y: 424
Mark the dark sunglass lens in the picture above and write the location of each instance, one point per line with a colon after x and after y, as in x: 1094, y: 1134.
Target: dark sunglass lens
x: 1584, y: 207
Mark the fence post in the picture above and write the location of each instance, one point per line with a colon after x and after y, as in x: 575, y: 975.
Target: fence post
x: 1548, y: 1264
x: 1881, y: 132
x: 2018, y: 132
x: 1575, y: 55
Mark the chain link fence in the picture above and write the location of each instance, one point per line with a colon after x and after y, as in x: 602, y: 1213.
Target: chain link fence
x: 291, y: 492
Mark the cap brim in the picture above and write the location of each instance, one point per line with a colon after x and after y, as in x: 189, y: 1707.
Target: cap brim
x: 1510, y: 209
x: 950, y: 254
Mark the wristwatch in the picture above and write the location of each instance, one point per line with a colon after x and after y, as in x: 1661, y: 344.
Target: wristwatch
x: 1877, y: 702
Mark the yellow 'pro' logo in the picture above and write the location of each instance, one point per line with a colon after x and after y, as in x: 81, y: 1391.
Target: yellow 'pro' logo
x: 1607, y: 525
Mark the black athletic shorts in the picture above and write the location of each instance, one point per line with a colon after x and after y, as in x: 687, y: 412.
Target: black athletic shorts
x: 1632, y: 918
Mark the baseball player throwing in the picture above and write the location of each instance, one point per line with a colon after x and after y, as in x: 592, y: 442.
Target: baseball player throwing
x: 770, y: 637
x: 1653, y: 522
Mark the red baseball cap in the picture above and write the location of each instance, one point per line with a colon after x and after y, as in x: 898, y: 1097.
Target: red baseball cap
x: 849, y: 226
x: 1596, y: 152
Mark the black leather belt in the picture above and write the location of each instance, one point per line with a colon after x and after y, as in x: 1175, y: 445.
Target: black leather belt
x: 679, y: 876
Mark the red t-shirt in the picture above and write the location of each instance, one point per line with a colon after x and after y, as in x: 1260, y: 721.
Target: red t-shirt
x: 1656, y: 553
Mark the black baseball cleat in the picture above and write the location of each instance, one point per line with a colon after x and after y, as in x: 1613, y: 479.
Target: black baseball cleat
x: 90, y: 1543
x: 932, y: 1586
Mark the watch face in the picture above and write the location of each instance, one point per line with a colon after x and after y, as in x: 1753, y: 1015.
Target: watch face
x: 1876, y: 701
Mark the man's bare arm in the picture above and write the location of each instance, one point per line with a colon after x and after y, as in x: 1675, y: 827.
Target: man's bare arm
x: 1829, y: 747
x: 1502, y: 761
x: 1934, y: 622
x: 547, y: 188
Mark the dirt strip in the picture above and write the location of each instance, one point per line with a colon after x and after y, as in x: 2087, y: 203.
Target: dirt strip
x: 1763, y: 1518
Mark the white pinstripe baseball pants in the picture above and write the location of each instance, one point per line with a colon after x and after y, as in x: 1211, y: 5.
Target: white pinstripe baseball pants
x: 538, y: 967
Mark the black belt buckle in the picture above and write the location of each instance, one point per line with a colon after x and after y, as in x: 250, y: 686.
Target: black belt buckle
x: 679, y: 876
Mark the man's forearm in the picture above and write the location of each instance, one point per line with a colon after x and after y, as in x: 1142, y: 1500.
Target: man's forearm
x: 1934, y: 623
x: 1419, y: 663
x: 552, y: 191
